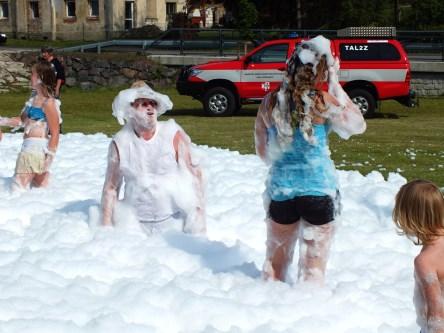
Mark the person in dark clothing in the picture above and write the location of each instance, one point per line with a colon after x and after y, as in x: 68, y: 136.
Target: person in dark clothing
x: 59, y: 70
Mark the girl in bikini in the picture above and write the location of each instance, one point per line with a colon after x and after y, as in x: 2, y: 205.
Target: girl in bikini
x: 40, y: 120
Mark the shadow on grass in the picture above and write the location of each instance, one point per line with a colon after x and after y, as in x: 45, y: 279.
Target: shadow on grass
x: 185, y: 112
x: 380, y: 115
x: 201, y: 113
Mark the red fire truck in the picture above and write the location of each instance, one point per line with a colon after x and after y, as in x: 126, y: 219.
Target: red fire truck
x: 371, y: 69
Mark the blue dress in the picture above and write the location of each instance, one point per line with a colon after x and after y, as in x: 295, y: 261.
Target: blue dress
x: 303, y: 168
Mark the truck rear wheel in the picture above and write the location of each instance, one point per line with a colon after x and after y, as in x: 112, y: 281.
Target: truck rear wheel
x: 219, y: 101
x: 364, y: 100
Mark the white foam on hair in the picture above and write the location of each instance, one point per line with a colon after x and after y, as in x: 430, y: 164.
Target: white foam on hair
x: 281, y: 118
x: 306, y: 125
x: 307, y: 56
x: 321, y: 46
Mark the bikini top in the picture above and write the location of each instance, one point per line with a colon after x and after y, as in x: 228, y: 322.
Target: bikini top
x: 36, y: 112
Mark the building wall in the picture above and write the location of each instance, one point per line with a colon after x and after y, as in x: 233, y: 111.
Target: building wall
x: 82, y: 26
x: 6, y: 24
x: 54, y: 22
x: 20, y: 19
x: 145, y: 12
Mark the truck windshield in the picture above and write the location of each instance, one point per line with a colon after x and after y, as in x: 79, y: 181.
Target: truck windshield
x: 272, y: 53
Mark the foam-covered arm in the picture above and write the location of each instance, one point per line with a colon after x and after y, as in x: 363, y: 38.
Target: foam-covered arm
x: 345, y: 117
x: 52, y: 118
x: 49, y: 158
x: 260, y: 137
x: 195, y: 221
x: 14, y: 122
x: 260, y: 130
x: 10, y: 122
x: 430, y: 287
x: 111, y: 186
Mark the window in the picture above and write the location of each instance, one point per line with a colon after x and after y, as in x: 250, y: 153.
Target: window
x: 273, y: 53
x: 369, y: 51
x: 34, y: 9
x: 4, y: 10
x: 70, y: 8
x: 93, y: 7
x: 129, y: 14
x: 170, y: 8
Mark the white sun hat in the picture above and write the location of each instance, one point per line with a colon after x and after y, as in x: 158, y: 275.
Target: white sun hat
x: 122, y: 102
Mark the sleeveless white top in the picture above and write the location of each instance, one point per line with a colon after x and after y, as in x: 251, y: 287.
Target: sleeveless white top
x: 150, y: 171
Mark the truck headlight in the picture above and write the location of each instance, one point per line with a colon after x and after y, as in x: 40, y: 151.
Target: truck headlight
x: 194, y: 72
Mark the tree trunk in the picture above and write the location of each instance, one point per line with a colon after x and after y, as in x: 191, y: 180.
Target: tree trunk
x: 298, y: 14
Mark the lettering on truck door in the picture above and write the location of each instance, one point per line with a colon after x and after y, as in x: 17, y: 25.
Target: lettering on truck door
x: 374, y: 61
x: 263, y: 70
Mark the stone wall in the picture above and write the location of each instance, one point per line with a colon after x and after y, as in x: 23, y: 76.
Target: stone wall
x: 428, y: 84
x: 90, y: 72
x: 428, y: 78
x: 87, y: 71
x: 14, y: 75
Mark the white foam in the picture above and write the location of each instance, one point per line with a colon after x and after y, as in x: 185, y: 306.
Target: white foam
x: 60, y: 272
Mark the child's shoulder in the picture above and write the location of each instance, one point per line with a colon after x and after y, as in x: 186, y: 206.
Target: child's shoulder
x: 425, y: 269
x: 429, y: 261
x: 422, y: 260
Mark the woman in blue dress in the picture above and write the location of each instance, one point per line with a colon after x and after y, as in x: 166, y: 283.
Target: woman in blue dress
x: 291, y: 134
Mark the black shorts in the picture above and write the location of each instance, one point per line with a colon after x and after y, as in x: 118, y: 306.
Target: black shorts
x: 316, y: 210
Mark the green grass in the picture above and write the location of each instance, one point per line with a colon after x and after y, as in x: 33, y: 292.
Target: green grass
x: 398, y: 139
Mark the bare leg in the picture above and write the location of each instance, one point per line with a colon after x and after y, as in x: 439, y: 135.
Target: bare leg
x: 281, y: 239
x: 41, y: 180
x: 314, y: 249
x: 21, y: 181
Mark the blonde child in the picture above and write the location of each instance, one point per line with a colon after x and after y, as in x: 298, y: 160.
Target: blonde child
x: 419, y: 213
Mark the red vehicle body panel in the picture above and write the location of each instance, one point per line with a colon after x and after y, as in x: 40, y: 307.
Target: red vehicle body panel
x: 385, y: 76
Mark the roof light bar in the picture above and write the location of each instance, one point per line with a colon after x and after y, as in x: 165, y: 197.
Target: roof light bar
x: 367, y: 32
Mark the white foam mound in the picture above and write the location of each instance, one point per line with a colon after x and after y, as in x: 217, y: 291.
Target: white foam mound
x: 60, y: 272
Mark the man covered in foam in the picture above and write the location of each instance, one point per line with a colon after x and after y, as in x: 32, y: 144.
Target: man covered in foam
x: 291, y: 135
x: 164, y: 184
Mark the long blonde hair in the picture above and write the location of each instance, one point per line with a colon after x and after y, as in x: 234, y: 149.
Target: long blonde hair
x: 419, y: 211
x: 305, y: 81
x: 303, y: 89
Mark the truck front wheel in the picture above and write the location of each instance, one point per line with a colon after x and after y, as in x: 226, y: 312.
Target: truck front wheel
x: 219, y: 101
x: 364, y: 100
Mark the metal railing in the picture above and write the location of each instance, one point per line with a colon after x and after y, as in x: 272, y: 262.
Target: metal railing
x: 419, y: 45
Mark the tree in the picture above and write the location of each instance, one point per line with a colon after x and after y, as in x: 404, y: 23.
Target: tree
x: 247, y: 18
x: 429, y: 14
x: 327, y: 14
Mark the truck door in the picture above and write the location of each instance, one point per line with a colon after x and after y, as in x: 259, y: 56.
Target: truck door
x: 263, y: 70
